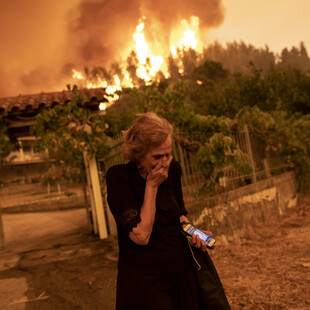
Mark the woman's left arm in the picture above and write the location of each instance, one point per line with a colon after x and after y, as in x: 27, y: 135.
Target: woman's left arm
x: 183, y: 218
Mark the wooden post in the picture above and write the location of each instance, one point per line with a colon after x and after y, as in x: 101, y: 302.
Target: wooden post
x: 249, y: 151
x: 58, y: 188
x: 91, y: 196
x: 96, y: 192
x: 1, y: 232
x: 87, y: 205
x: 266, y: 166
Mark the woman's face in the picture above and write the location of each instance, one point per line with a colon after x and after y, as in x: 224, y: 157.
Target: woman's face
x: 155, y: 155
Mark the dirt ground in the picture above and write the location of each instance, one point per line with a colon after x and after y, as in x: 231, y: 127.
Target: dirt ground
x: 267, y: 269
x: 270, y: 267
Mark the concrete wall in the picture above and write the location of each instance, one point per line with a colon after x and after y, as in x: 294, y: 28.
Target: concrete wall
x: 229, y: 214
x: 34, y: 198
x: 48, y: 204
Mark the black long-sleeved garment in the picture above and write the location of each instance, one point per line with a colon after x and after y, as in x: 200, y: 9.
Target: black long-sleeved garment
x: 162, y: 268
x: 125, y: 189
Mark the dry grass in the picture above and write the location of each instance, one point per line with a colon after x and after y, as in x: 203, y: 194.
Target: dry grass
x: 270, y: 267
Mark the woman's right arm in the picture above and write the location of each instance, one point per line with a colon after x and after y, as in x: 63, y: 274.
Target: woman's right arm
x: 141, y: 234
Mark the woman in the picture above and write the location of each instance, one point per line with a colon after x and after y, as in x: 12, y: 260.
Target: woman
x: 155, y: 268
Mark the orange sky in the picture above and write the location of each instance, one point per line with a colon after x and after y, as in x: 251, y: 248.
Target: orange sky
x: 41, y: 40
x: 277, y: 23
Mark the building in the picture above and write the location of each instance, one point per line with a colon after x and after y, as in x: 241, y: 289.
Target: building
x: 25, y: 167
x: 19, y: 114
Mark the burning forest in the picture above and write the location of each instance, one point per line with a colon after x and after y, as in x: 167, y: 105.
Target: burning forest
x: 110, y: 44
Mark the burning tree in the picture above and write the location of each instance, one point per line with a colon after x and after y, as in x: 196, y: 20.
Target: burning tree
x: 148, y: 63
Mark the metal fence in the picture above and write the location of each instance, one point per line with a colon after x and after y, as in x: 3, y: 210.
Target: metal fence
x: 262, y: 167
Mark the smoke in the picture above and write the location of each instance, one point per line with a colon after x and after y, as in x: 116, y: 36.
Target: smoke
x: 42, y: 41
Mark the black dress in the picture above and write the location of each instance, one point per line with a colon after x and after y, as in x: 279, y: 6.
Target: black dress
x: 159, y: 275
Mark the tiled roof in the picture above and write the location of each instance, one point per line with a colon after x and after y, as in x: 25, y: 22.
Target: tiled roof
x: 24, y: 103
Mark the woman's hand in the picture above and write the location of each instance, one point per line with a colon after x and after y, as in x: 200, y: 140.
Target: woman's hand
x: 201, y: 244
x: 159, y: 173
x: 183, y: 218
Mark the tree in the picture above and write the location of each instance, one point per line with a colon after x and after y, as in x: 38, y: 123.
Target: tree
x: 287, y: 89
x: 68, y: 132
x: 6, y: 145
x: 236, y: 56
x: 286, y: 134
x: 206, y: 91
x: 214, y: 143
x: 215, y: 89
x: 295, y: 58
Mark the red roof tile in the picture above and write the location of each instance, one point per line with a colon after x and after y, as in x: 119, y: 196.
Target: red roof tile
x: 24, y: 103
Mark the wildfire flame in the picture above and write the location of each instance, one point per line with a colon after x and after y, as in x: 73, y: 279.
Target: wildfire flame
x: 182, y: 39
x: 143, y: 53
x: 186, y: 35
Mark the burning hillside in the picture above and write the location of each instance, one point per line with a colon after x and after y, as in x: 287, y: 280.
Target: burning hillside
x: 97, y: 33
x: 149, y: 59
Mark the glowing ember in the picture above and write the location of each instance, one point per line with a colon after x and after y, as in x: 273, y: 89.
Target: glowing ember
x: 102, y: 106
x: 182, y: 38
x: 77, y: 75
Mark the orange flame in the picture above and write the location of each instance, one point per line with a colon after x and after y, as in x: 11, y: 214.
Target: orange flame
x: 143, y: 54
x: 182, y: 38
x: 185, y: 36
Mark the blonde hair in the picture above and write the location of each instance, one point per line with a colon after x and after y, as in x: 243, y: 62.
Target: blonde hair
x: 148, y: 131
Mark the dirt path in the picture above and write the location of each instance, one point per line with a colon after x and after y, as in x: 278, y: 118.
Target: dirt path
x: 268, y: 269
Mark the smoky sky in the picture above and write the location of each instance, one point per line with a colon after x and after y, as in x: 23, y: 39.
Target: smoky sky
x: 42, y: 41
